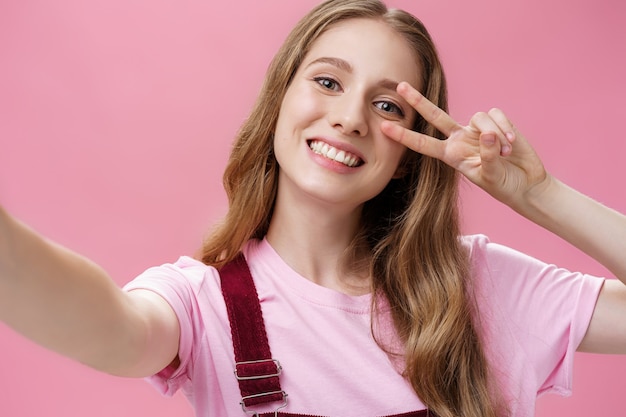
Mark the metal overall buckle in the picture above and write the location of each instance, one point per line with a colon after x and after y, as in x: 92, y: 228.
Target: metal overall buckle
x: 261, y: 376
x: 256, y: 413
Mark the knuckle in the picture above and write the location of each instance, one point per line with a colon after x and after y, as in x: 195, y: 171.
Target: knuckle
x: 479, y: 115
x: 435, y: 113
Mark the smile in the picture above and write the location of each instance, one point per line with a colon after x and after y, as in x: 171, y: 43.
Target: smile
x: 330, y: 152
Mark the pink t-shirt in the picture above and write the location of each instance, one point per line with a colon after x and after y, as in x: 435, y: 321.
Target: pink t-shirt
x: 532, y: 316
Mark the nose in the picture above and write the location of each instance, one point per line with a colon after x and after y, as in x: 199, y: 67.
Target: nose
x: 349, y: 114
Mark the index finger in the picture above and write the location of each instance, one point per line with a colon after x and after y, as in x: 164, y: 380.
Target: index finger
x: 429, y: 111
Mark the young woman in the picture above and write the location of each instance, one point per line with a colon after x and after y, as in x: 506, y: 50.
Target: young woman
x: 342, y: 187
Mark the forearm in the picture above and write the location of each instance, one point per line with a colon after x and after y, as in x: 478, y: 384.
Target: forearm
x: 61, y: 300
x: 595, y: 229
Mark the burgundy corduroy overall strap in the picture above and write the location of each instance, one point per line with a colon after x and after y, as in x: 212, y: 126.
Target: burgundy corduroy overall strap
x: 256, y: 371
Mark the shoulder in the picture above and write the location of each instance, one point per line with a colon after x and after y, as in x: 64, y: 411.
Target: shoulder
x: 532, y: 314
x: 186, y: 277
x: 487, y: 257
x: 479, y: 245
x: 526, y: 292
x: 519, y: 285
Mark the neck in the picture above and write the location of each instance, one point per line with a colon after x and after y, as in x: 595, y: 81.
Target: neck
x: 313, y: 239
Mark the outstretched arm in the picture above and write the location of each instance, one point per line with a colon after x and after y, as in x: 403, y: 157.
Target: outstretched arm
x: 492, y: 154
x: 70, y: 305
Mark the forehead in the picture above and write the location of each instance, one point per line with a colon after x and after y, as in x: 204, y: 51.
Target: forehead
x: 371, y: 47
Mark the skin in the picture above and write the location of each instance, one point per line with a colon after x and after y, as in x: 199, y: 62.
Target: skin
x: 343, y: 91
x: 517, y: 178
x: 66, y: 303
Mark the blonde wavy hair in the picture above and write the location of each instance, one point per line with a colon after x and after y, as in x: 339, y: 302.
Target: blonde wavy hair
x: 410, y: 231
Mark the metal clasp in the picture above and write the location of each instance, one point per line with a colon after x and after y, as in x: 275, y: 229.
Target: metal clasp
x: 256, y: 413
x: 279, y: 370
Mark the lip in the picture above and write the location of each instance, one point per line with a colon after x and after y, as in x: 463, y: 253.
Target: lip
x: 342, y: 146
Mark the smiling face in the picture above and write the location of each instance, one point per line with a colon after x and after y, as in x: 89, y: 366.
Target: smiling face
x: 328, y: 141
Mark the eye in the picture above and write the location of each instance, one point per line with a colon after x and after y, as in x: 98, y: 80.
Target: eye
x: 328, y: 83
x: 389, y: 107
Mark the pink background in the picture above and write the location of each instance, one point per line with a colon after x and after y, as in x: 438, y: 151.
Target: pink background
x: 116, y: 118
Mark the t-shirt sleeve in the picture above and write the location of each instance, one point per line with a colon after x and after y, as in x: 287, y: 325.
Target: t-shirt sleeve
x: 535, y: 314
x: 178, y: 284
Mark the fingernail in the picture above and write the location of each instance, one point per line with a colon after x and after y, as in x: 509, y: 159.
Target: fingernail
x: 510, y: 135
x: 505, y: 149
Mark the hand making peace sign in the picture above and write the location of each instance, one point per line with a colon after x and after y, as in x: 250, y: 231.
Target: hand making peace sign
x: 490, y: 151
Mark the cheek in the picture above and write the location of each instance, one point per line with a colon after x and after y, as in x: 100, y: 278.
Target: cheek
x: 396, y: 155
x: 301, y: 104
x: 394, y: 151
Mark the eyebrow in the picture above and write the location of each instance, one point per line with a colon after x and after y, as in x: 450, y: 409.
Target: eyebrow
x: 344, y: 65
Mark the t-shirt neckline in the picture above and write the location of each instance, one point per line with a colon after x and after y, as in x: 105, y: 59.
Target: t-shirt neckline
x: 261, y: 254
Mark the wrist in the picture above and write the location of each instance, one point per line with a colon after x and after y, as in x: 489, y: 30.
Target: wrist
x: 538, y: 202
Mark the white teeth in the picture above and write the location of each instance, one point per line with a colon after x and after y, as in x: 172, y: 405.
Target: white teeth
x: 330, y: 152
